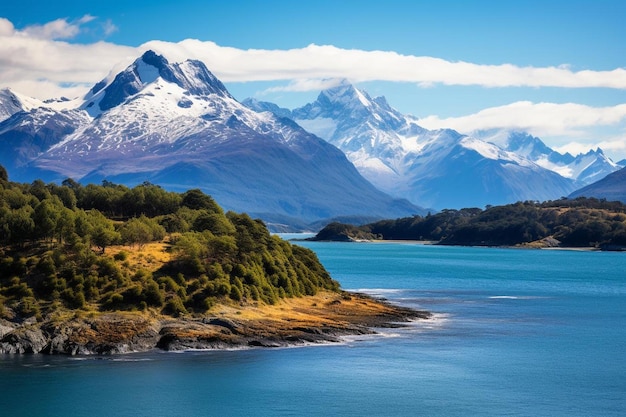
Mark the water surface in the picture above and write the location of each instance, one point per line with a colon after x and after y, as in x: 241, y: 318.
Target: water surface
x: 516, y: 332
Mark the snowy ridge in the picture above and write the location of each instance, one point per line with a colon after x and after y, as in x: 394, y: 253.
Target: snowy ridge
x: 583, y: 168
x: 592, y: 166
x: 12, y: 102
x: 491, y: 151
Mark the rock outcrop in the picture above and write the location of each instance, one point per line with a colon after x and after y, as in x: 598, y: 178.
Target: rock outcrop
x: 320, y: 319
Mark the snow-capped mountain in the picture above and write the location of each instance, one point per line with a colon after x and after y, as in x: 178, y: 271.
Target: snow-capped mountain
x: 583, y: 168
x: 438, y: 168
x: 12, y: 102
x: 176, y: 125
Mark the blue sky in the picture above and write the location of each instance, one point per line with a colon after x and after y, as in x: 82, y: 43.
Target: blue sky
x: 554, y: 68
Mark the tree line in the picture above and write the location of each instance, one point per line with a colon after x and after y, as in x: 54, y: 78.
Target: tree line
x: 581, y: 222
x: 54, y: 242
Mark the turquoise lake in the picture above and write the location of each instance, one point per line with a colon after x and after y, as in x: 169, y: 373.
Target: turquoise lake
x: 515, y: 333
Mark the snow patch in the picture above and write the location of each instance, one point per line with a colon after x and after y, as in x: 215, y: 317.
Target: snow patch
x: 362, y: 98
x: 485, y: 149
x: 563, y: 170
x: 411, y: 143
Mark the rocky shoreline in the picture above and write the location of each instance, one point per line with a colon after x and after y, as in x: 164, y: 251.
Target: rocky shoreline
x: 323, y: 318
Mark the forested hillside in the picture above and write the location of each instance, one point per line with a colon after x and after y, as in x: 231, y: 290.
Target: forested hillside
x: 583, y: 222
x: 109, y: 247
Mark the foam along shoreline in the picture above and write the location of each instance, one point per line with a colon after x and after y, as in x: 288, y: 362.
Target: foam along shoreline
x: 323, y: 318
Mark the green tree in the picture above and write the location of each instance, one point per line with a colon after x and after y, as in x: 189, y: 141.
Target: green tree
x: 141, y: 230
x: 101, y: 230
x: 46, y: 216
x: 39, y: 190
x: 20, y: 225
x: 65, y: 194
x: 216, y: 223
x: 195, y: 199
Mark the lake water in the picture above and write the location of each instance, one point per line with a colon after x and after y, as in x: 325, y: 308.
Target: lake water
x: 515, y: 333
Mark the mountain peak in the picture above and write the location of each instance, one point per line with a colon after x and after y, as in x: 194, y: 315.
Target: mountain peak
x: 345, y: 93
x: 348, y: 105
x: 152, y: 58
x: 12, y: 102
x: 9, y: 104
x: 598, y: 151
x: 191, y: 75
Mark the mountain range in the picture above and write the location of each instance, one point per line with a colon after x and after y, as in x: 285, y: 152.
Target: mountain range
x: 440, y: 168
x: 345, y: 155
x: 176, y: 125
x: 584, y: 169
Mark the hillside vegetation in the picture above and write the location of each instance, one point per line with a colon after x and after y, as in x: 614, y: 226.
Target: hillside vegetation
x: 583, y: 222
x: 108, y: 247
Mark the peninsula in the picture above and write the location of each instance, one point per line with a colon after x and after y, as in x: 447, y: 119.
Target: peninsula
x: 102, y: 269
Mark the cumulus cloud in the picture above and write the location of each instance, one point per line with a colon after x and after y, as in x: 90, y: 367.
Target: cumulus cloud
x: 615, y: 147
x: 6, y: 27
x: 569, y: 127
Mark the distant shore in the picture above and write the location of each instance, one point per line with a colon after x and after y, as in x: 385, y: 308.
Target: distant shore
x: 323, y: 318
x: 435, y: 243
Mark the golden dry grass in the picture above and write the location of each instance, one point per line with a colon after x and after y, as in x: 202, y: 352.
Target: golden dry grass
x: 150, y: 256
x: 325, y: 308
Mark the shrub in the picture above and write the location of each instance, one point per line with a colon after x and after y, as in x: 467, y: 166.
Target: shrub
x: 235, y: 293
x: 174, y: 307
x: 121, y: 256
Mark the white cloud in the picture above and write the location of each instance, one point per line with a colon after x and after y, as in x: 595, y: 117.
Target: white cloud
x: 539, y: 118
x: 567, y: 127
x: 617, y: 148
x: 324, y: 62
x: 57, y: 29
x: 35, y: 63
x: 6, y: 27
